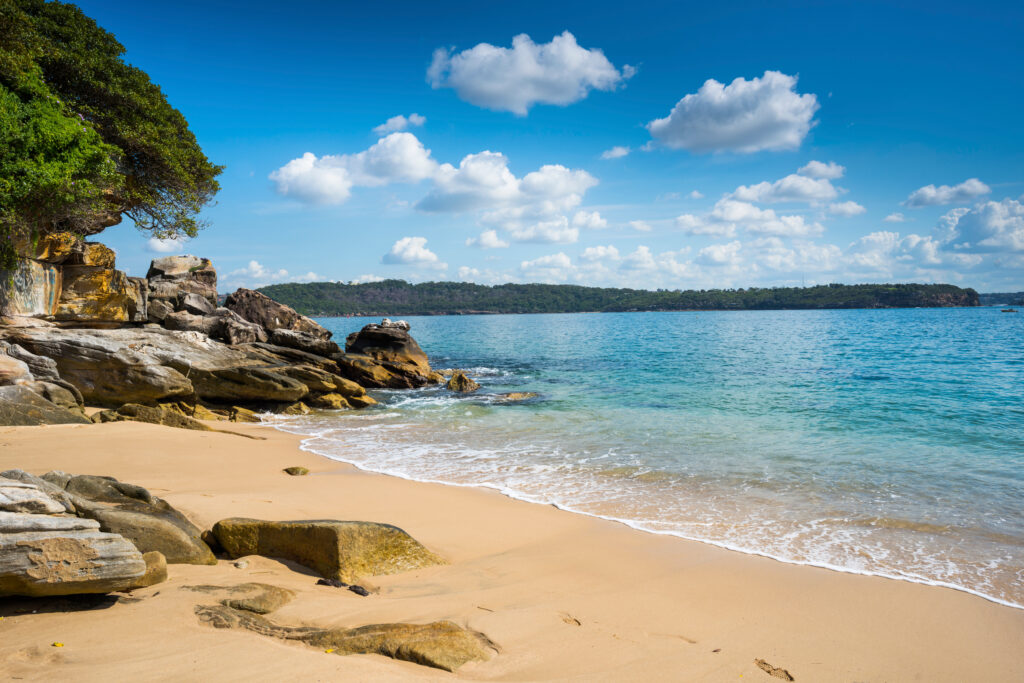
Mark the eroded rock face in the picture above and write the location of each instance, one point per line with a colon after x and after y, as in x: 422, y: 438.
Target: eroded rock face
x: 173, y: 276
x: 392, y: 344
x: 32, y: 289
x: 337, y: 550
x: 20, y: 406
x: 96, y: 294
x: 264, y: 311
x: 304, y: 341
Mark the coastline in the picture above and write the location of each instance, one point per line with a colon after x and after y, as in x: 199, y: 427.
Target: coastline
x: 647, y: 605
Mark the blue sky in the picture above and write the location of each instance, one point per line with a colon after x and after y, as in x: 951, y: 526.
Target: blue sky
x: 654, y: 144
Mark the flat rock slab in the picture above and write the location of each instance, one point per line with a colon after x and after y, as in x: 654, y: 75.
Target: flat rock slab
x: 21, y: 407
x: 18, y: 496
x: 338, y: 550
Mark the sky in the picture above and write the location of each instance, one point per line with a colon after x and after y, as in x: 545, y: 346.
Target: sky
x: 650, y: 145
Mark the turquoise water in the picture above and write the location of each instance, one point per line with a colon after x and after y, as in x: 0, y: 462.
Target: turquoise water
x: 886, y: 442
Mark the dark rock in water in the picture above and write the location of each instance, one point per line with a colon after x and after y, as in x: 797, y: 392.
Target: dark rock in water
x: 440, y: 644
x: 264, y: 311
x: 303, y: 341
x: 461, y: 383
x: 359, y: 590
x: 20, y: 406
x: 393, y: 344
x: 336, y: 550
x: 296, y: 471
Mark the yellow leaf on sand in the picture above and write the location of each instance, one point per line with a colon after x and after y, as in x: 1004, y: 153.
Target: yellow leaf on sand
x: 329, y: 651
x: 58, y: 644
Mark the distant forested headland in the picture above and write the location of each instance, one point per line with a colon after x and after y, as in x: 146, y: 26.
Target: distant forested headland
x: 398, y: 297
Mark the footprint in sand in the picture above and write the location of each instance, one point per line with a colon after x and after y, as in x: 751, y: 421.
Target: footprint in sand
x: 777, y: 672
x: 570, y: 619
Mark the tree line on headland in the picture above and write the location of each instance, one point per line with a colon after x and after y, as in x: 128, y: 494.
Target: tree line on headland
x: 398, y: 297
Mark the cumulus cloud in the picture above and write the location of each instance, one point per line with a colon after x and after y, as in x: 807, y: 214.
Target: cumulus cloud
x: 792, y: 188
x: 397, y: 158
x: 763, y: 113
x: 557, y: 231
x: 172, y: 245
x: 255, y: 274
x: 514, y: 79
x: 818, y: 169
x: 488, y: 239
x: 368, y: 277
x: 720, y: 254
x: 696, y: 194
x: 615, y: 152
x: 600, y: 253
x: 696, y: 225
x: 987, y: 227
x: 399, y: 123
x: 641, y: 259
x: 640, y: 226
x: 895, y: 218
x: 929, y: 195
x: 413, y: 251
x: 589, y: 220
x: 730, y: 215
x: 846, y: 209
x: 553, y: 268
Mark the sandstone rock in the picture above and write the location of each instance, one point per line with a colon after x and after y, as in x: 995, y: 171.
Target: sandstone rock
x: 396, y: 324
x: 159, y: 416
x: 461, y: 383
x: 264, y: 311
x: 31, y: 289
x: 330, y: 402
x: 54, y: 491
x: 62, y: 395
x: 304, y: 342
x: 172, y: 276
x: 363, y: 401
x: 337, y: 550
x: 514, y: 396
x: 315, y: 379
x: 95, y: 294
x: 43, y: 555
x: 13, y: 370
x: 138, y: 305
x: 369, y: 373
x: 194, y: 304
x: 229, y: 385
x: 91, y: 254
x: 296, y: 471
x: 259, y: 598
x: 158, y: 309
x: 440, y: 644
x: 55, y: 248
x: 392, y: 344
x: 239, y: 414
x: 19, y: 496
x: 40, y: 366
x: 20, y: 406
x: 277, y: 355
x: 156, y: 570
x: 183, y: 321
x: 298, y: 408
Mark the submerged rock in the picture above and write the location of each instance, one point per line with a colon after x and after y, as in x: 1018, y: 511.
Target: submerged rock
x: 336, y: 550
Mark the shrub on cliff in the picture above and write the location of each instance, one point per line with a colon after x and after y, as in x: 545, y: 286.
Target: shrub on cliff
x: 85, y: 136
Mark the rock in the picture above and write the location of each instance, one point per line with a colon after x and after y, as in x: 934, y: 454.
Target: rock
x: 62, y: 395
x: 239, y: 414
x: 95, y: 294
x: 270, y: 315
x: 293, y: 471
x: 461, y: 383
x: 298, y: 408
x: 172, y: 276
x: 183, y: 321
x: 359, y: 590
x: 281, y: 354
x: 304, y: 342
x: 397, y: 324
x: 91, y: 254
x: 246, y: 383
x: 54, y: 491
x: 361, y: 401
x: 317, y: 380
x: 30, y: 289
x: 20, y: 406
x: 233, y: 329
x: 194, y: 304
x: 40, y: 366
x: 156, y: 570
x: 336, y: 550
x: 150, y: 523
x: 55, y: 248
x: 158, y: 310
x: 440, y: 644
x: 392, y: 344
x: 13, y: 371
x: 370, y: 373
x: 43, y: 555
x: 194, y: 410
x: 259, y: 598
x: 514, y: 396
x: 138, y: 306
x: 330, y: 402
x: 158, y: 416
x: 19, y: 496
x: 210, y: 540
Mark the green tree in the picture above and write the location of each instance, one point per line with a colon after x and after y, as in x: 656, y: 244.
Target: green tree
x: 85, y: 137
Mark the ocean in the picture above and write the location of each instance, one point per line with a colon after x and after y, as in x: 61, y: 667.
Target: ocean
x: 884, y: 442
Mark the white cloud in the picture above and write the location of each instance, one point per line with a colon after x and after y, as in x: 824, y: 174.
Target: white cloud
x: 399, y: 123
x: 929, y: 195
x: 696, y: 194
x: 589, y: 220
x: 413, y: 251
x: 895, y: 218
x: 640, y: 226
x: 552, y: 268
x: 369, y: 277
x: 792, y: 188
x: 763, y: 113
x: 514, y: 79
x: 846, y: 209
x: 488, y: 239
x: 729, y: 215
x: 615, y: 152
x: 555, y: 231
x: 600, y: 253
x: 818, y: 169
x: 397, y: 158
x: 257, y: 275
x: 988, y: 227
x: 467, y: 273
x: 720, y: 254
x: 641, y: 259
x: 695, y: 225
x: 168, y: 246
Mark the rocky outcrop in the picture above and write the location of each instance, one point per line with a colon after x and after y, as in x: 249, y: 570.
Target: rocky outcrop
x: 33, y: 289
x: 270, y: 315
x: 133, y: 412
x: 20, y: 406
x: 461, y: 383
x: 304, y: 341
x: 344, y: 551
x: 172, y: 277
x: 98, y: 294
x: 440, y: 644
x: 392, y: 344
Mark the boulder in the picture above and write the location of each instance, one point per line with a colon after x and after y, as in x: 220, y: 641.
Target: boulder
x: 330, y: 402
x: 296, y: 471
x: 461, y: 383
x: 153, y: 415
x: 239, y: 414
x: 370, y: 373
x: 20, y: 496
x: 156, y: 570
x: 64, y: 396
x: 172, y: 276
x: 40, y: 366
x: 13, y: 371
x: 298, y: 408
x: 246, y: 383
x: 20, y: 406
x: 303, y: 341
x: 91, y: 254
x: 150, y: 523
x: 96, y: 294
x: 158, y: 309
x: 54, y: 491
x: 258, y: 598
x: 32, y: 288
x: 392, y: 344
x: 270, y: 315
x: 55, y: 248
x: 44, y: 555
x: 361, y: 401
x: 194, y: 304
x: 338, y: 550
x: 440, y: 644
x: 138, y: 306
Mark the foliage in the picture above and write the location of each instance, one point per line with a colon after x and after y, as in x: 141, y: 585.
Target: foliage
x: 397, y: 297
x: 85, y: 136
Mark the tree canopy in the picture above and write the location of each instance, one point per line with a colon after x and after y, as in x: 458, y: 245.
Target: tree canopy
x: 85, y: 137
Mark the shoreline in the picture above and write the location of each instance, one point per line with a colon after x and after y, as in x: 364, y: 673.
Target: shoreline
x: 566, y: 596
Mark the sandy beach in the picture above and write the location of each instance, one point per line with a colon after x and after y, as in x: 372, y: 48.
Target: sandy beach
x: 564, y: 596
